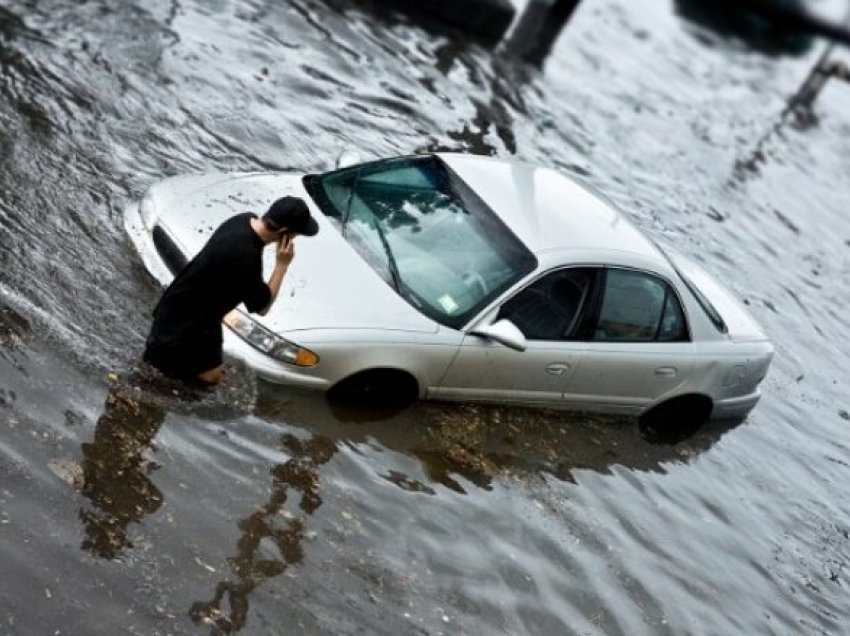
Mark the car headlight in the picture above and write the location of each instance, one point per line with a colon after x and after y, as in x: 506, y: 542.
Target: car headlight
x: 269, y: 342
x: 147, y: 210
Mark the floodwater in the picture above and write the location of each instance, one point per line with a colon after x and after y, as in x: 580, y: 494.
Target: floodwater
x: 128, y: 506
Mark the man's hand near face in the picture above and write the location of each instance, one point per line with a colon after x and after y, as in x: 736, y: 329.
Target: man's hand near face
x: 283, y: 257
x: 286, y: 249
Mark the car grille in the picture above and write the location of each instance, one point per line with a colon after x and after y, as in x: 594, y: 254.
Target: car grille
x: 174, y: 259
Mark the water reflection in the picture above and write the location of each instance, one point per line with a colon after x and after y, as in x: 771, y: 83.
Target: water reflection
x: 13, y: 328
x: 271, y: 536
x: 503, y: 87
x: 798, y: 112
x: 505, y: 84
x: 759, y: 32
x: 116, y: 473
x: 481, y: 443
x: 455, y: 445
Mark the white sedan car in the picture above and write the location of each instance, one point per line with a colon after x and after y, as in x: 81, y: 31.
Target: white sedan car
x: 458, y: 277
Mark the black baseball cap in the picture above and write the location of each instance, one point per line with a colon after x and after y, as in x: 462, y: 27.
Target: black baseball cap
x: 291, y: 213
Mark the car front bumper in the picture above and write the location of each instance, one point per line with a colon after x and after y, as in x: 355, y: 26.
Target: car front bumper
x: 268, y: 368
x: 143, y: 242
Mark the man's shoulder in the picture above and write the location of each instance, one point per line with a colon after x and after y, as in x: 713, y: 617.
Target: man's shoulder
x: 238, y: 219
x: 236, y: 225
x: 235, y: 239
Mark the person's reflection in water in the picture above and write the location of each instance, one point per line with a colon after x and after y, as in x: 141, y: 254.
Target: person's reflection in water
x: 116, y: 467
x: 252, y: 564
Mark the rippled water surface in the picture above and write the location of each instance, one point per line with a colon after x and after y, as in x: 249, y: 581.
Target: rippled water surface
x: 128, y: 506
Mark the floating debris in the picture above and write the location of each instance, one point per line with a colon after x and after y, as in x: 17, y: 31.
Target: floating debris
x: 68, y: 471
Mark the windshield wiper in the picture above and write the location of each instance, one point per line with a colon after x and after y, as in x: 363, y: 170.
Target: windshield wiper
x: 350, y: 200
x: 390, y: 258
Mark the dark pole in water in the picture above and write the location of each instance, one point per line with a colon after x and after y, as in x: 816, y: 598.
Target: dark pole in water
x: 800, y: 105
x: 794, y: 19
x: 538, y: 28
x: 541, y: 22
x: 804, y: 98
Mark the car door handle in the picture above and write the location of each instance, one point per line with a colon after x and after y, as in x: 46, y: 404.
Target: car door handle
x: 557, y: 368
x: 666, y: 372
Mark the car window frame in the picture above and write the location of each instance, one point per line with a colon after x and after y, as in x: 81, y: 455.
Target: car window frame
x: 601, y: 281
x: 588, y: 303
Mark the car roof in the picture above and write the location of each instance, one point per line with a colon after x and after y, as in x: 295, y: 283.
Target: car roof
x: 548, y: 210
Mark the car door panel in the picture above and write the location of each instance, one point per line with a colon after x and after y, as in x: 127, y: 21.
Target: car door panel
x: 547, y: 312
x: 638, y: 348
x: 629, y: 375
x: 488, y: 371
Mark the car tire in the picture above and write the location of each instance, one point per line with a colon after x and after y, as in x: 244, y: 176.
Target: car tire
x: 676, y: 419
x: 377, y: 385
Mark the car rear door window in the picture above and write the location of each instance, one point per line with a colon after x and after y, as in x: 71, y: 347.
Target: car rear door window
x: 550, y: 308
x: 639, y: 307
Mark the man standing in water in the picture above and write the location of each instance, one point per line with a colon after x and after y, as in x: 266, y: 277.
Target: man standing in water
x: 185, y: 337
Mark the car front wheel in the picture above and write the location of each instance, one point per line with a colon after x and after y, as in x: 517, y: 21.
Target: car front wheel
x: 377, y: 385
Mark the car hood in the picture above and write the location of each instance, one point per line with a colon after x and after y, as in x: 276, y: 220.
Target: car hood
x: 328, y: 285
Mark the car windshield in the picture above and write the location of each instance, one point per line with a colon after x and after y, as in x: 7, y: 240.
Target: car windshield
x: 425, y: 232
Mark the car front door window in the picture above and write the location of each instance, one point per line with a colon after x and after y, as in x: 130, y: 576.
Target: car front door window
x: 549, y: 308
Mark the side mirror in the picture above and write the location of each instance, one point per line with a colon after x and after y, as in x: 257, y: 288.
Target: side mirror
x: 504, y: 332
x: 348, y: 158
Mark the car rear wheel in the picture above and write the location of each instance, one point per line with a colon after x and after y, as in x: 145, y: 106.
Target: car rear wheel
x: 377, y: 385
x: 676, y: 419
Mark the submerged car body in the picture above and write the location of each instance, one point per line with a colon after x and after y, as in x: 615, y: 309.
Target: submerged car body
x: 460, y: 277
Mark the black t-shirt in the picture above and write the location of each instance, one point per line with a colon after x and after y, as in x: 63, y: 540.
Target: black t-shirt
x: 227, y: 271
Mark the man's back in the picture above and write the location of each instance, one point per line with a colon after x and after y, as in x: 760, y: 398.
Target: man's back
x: 185, y: 340
x: 226, y: 272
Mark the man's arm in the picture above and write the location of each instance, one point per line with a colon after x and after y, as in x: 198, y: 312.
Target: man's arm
x: 285, y: 254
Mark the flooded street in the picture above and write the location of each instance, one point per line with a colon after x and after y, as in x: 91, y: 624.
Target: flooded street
x: 131, y: 506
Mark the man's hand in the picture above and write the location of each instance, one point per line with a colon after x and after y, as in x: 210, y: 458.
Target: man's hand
x: 284, y: 254
x: 285, y: 250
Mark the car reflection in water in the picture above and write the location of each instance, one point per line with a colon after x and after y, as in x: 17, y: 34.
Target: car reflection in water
x: 455, y: 444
